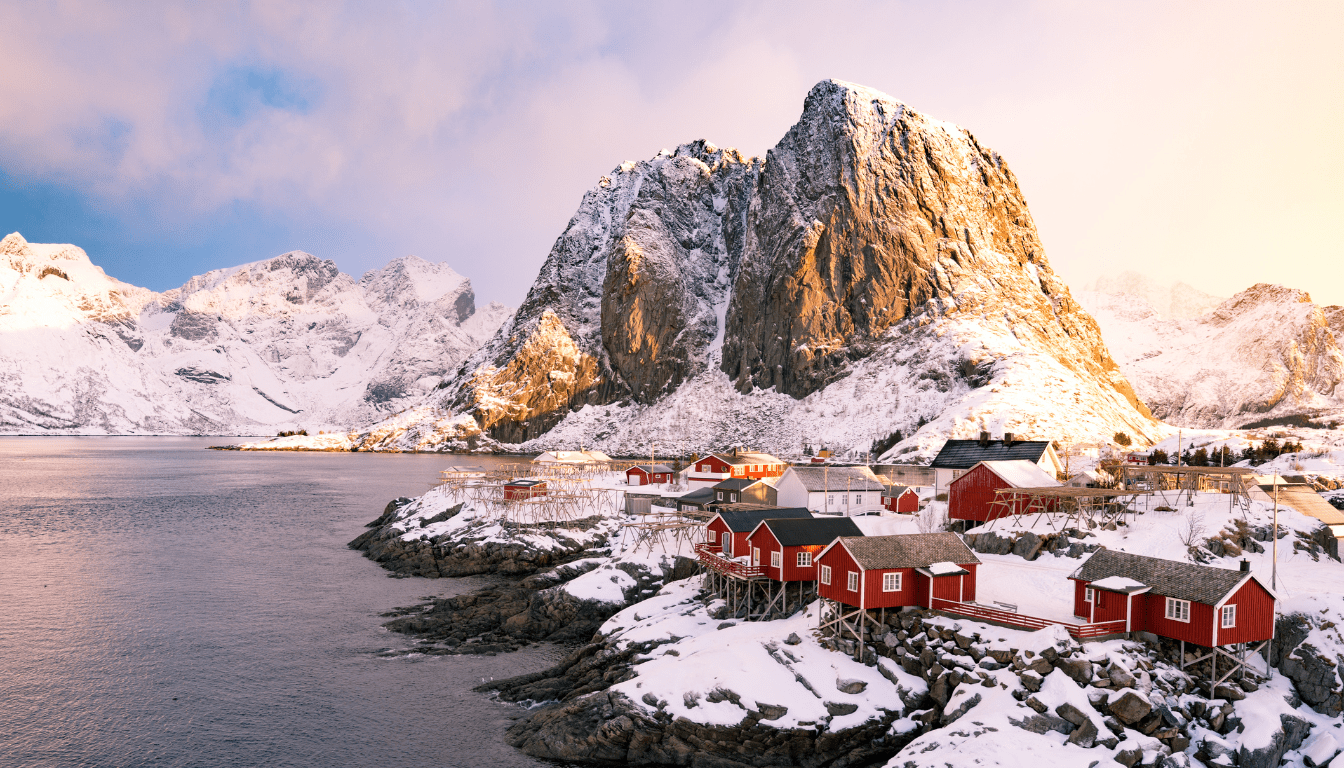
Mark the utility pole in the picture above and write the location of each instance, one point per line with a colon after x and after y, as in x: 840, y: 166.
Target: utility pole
x: 1274, y: 572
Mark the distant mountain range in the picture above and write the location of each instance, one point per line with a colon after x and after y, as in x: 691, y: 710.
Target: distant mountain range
x: 281, y: 344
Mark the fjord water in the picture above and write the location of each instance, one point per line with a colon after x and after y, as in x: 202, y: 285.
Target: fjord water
x: 161, y: 604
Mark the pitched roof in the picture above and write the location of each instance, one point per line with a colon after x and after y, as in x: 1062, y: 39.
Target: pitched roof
x: 897, y: 491
x: 698, y: 496
x: 653, y: 469
x: 734, y: 484
x: 803, y: 532
x: 744, y: 457
x: 817, y: 479
x: 525, y: 482
x: 1170, y: 578
x: 910, y: 550
x: 744, y: 520
x: 1021, y: 474
x: 964, y: 454
x: 1306, y: 500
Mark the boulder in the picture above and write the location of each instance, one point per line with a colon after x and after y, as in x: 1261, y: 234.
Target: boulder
x: 851, y: 686
x: 1129, y: 708
x: 1027, y: 546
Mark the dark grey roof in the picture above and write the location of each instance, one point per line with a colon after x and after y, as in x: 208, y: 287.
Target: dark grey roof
x: 802, y: 532
x: 964, y: 454
x: 735, y: 484
x: 816, y: 479
x: 909, y: 550
x: 654, y: 469
x: 698, y: 496
x: 744, y: 520
x: 524, y: 482
x: 896, y: 491
x: 1169, y: 578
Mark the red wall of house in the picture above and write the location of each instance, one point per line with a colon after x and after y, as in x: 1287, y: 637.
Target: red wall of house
x: 969, y: 496
x: 721, y: 529
x: 637, y: 476
x: 1255, y: 615
x: 712, y: 465
x: 841, y: 564
x: 1198, y: 630
x: 512, y: 492
x: 907, y: 503
x: 763, y: 538
x: 968, y: 589
x: 876, y: 598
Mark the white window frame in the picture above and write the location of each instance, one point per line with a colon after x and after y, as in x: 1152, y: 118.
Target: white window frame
x: 728, y: 543
x: 712, y: 536
x: 1229, y: 617
x: 720, y: 495
x: 853, y: 581
x: 830, y: 499
x: 804, y: 559
x: 1089, y: 594
x: 1178, y: 610
x: 858, y: 499
x: 891, y: 582
x: 825, y: 575
x: 776, y: 559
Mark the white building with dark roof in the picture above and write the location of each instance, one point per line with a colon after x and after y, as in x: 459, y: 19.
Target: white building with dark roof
x: 845, y: 491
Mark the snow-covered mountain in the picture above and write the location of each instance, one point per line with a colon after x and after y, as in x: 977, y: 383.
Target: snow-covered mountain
x: 284, y: 343
x: 1267, y: 354
x: 1175, y: 300
x: 878, y: 272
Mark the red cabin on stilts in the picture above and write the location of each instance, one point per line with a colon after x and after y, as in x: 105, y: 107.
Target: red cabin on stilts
x: 897, y: 571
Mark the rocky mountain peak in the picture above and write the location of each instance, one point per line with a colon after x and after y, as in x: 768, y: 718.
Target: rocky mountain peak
x: 873, y: 244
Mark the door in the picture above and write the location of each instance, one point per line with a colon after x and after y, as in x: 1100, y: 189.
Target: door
x: 756, y: 556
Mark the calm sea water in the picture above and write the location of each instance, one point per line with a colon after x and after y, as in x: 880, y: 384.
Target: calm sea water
x: 165, y: 605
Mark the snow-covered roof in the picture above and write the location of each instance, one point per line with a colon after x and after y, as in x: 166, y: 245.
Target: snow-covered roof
x: 1306, y: 500
x: 822, y: 479
x: 1022, y: 474
x: 946, y: 569
x: 743, y: 457
x: 1119, y: 584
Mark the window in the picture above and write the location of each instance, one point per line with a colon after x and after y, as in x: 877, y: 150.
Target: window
x: 853, y: 581
x: 1229, y: 616
x: 858, y: 499
x: 1178, y: 610
x: 830, y: 499
x: 775, y: 559
x: 804, y: 559
x: 891, y: 582
x: 728, y: 544
x: 713, y: 534
x: 1089, y: 595
x: 825, y: 574
x: 720, y: 495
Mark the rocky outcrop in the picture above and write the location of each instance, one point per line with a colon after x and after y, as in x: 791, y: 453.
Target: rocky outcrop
x: 877, y: 268
x: 1315, y: 675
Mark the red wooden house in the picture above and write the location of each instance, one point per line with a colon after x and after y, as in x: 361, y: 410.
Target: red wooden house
x: 895, y: 571
x: 787, y: 547
x: 727, y: 531
x: 718, y: 467
x: 971, y: 494
x: 1199, y: 604
x: 902, y: 499
x: 524, y: 488
x: 648, y: 474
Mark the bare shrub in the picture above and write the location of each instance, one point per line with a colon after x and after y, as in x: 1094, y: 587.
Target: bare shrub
x: 931, y: 518
x: 1192, y: 527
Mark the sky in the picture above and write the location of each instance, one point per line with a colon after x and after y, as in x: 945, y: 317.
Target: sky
x: 1199, y: 142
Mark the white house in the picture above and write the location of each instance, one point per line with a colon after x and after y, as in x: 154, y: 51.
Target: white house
x: 841, y: 490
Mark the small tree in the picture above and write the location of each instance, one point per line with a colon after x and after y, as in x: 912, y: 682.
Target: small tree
x: 1123, y: 439
x: 1158, y: 456
x: 1200, y: 458
x: 1192, y: 527
x: 1249, y: 453
x: 1222, y: 457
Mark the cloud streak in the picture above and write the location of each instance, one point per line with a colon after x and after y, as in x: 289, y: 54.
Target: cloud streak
x: 1181, y: 139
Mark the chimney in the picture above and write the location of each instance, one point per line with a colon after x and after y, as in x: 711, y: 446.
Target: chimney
x: 1008, y: 439
x: 1245, y: 565
x: 984, y: 439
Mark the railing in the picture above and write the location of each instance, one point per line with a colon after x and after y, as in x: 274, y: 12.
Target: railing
x: 1076, y: 631
x: 716, y: 561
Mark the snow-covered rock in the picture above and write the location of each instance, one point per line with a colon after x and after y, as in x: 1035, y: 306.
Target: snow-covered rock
x: 1267, y: 355
x: 878, y: 272
x: 284, y: 343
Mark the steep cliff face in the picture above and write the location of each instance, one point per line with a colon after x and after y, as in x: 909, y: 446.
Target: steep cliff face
x: 279, y: 344
x: 1268, y: 353
x: 877, y: 273
x: 627, y: 302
